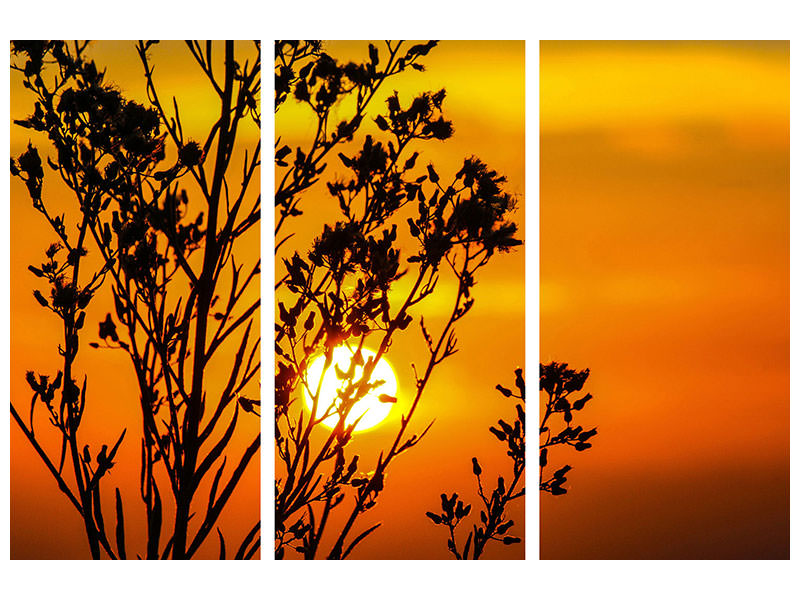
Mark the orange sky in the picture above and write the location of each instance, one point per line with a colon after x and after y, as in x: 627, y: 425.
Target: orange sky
x: 665, y: 269
x: 43, y: 524
x: 485, y: 101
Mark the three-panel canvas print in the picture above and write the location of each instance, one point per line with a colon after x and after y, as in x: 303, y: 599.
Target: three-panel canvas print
x: 405, y: 260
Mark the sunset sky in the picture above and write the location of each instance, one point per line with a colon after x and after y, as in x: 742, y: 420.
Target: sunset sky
x: 485, y: 100
x: 664, y: 268
x: 664, y: 223
x: 43, y: 524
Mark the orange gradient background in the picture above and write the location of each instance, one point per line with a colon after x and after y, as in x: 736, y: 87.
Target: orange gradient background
x: 485, y: 100
x: 43, y: 523
x: 665, y: 270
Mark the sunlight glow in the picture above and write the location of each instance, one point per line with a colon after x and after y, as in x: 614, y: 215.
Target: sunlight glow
x: 370, y: 408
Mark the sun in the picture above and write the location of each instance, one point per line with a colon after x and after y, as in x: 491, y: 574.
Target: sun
x: 370, y: 408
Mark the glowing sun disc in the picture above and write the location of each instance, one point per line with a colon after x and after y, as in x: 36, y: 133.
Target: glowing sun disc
x: 371, y: 410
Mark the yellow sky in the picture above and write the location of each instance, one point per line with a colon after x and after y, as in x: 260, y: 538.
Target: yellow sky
x: 608, y: 84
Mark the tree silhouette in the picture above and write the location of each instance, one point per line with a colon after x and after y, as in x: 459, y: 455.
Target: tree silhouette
x: 494, y: 526
x: 164, y: 218
x: 337, y: 292
x: 560, y: 382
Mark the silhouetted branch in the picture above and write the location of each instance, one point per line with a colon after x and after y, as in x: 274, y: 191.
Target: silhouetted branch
x: 559, y: 382
x: 337, y: 293
x: 110, y: 153
x: 493, y: 525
